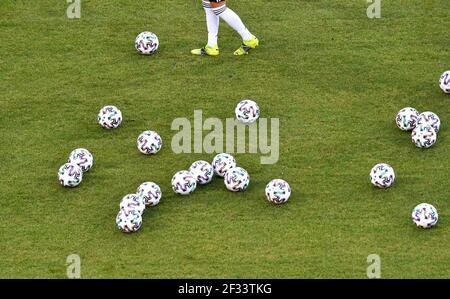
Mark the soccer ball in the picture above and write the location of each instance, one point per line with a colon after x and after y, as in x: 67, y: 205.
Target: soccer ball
x: 129, y: 222
x: 150, y: 193
x: 444, y: 82
x: 425, y: 215
x: 278, y: 191
x: 132, y: 202
x: 70, y: 175
x: 147, y: 43
x: 202, y: 171
x: 222, y: 163
x: 247, y: 111
x: 406, y: 119
x: 109, y: 117
x: 429, y: 118
x: 183, y: 182
x: 149, y: 142
x: 237, y: 179
x: 382, y: 175
x: 424, y: 136
x: 82, y: 157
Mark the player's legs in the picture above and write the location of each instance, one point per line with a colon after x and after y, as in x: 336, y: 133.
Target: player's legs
x: 234, y: 21
x: 212, y: 23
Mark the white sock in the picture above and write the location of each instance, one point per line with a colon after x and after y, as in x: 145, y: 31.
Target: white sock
x: 234, y: 21
x: 212, y: 23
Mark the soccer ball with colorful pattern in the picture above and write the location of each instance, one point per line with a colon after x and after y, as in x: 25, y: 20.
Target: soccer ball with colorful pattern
x: 109, y: 117
x: 247, y: 111
x: 82, y: 157
x: 70, y: 175
x: 149, y: 143
x: 183, y: 182
x: 129, y: 222
x: 425, y: 215
x: 132, y: 202
x: 202, y: 171
x: 429, y: 119
x: 424, y: 136
x: 222, y: 163
x: 150, y: 193
x: 406, y: 118
x: 147, y: 43
x: 444, y: 82
x: 382, y: 176
x: 278, y: 191
x: 237, y: 179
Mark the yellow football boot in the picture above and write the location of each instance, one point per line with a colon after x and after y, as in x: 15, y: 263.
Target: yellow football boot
x: 246, y: 46
x: 207, y: 50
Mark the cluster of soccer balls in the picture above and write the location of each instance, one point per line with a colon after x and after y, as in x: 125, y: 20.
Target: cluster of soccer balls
x: 425, y: 127
x: 70, y: 174
x: 184, y: 182
x: 236, y: 179
x: 132, y: 206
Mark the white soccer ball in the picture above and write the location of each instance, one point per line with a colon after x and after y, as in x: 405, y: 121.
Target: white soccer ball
x: 147, y: 43
x: 202, y: 171
x: 278, y: 191
x: 425, y: 215
x: 82, y: 157
x: 129, y: 222
x: 132, y: 202
x: 444, y: 82
x: 109, y: 117
x: 424, y: 136
x: 150, y: 193
x: 247, y: 111
x: 183, y: 182
x: 406, y: 118
x: 149, y: 142
x: 222, y: 163
x: 429, y: 118
x: 382, y: 175
x: 70, y: 175
x: 237, y: 179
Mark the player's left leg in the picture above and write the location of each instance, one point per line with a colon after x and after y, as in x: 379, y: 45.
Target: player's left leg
x: 231, y: 18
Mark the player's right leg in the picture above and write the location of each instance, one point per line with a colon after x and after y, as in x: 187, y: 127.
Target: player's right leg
x: 212, y: 23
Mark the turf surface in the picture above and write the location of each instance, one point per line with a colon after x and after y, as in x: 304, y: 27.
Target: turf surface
x: 334, y: 77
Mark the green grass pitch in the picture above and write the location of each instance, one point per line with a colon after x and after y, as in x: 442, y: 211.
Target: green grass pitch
x: 334, y: 78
